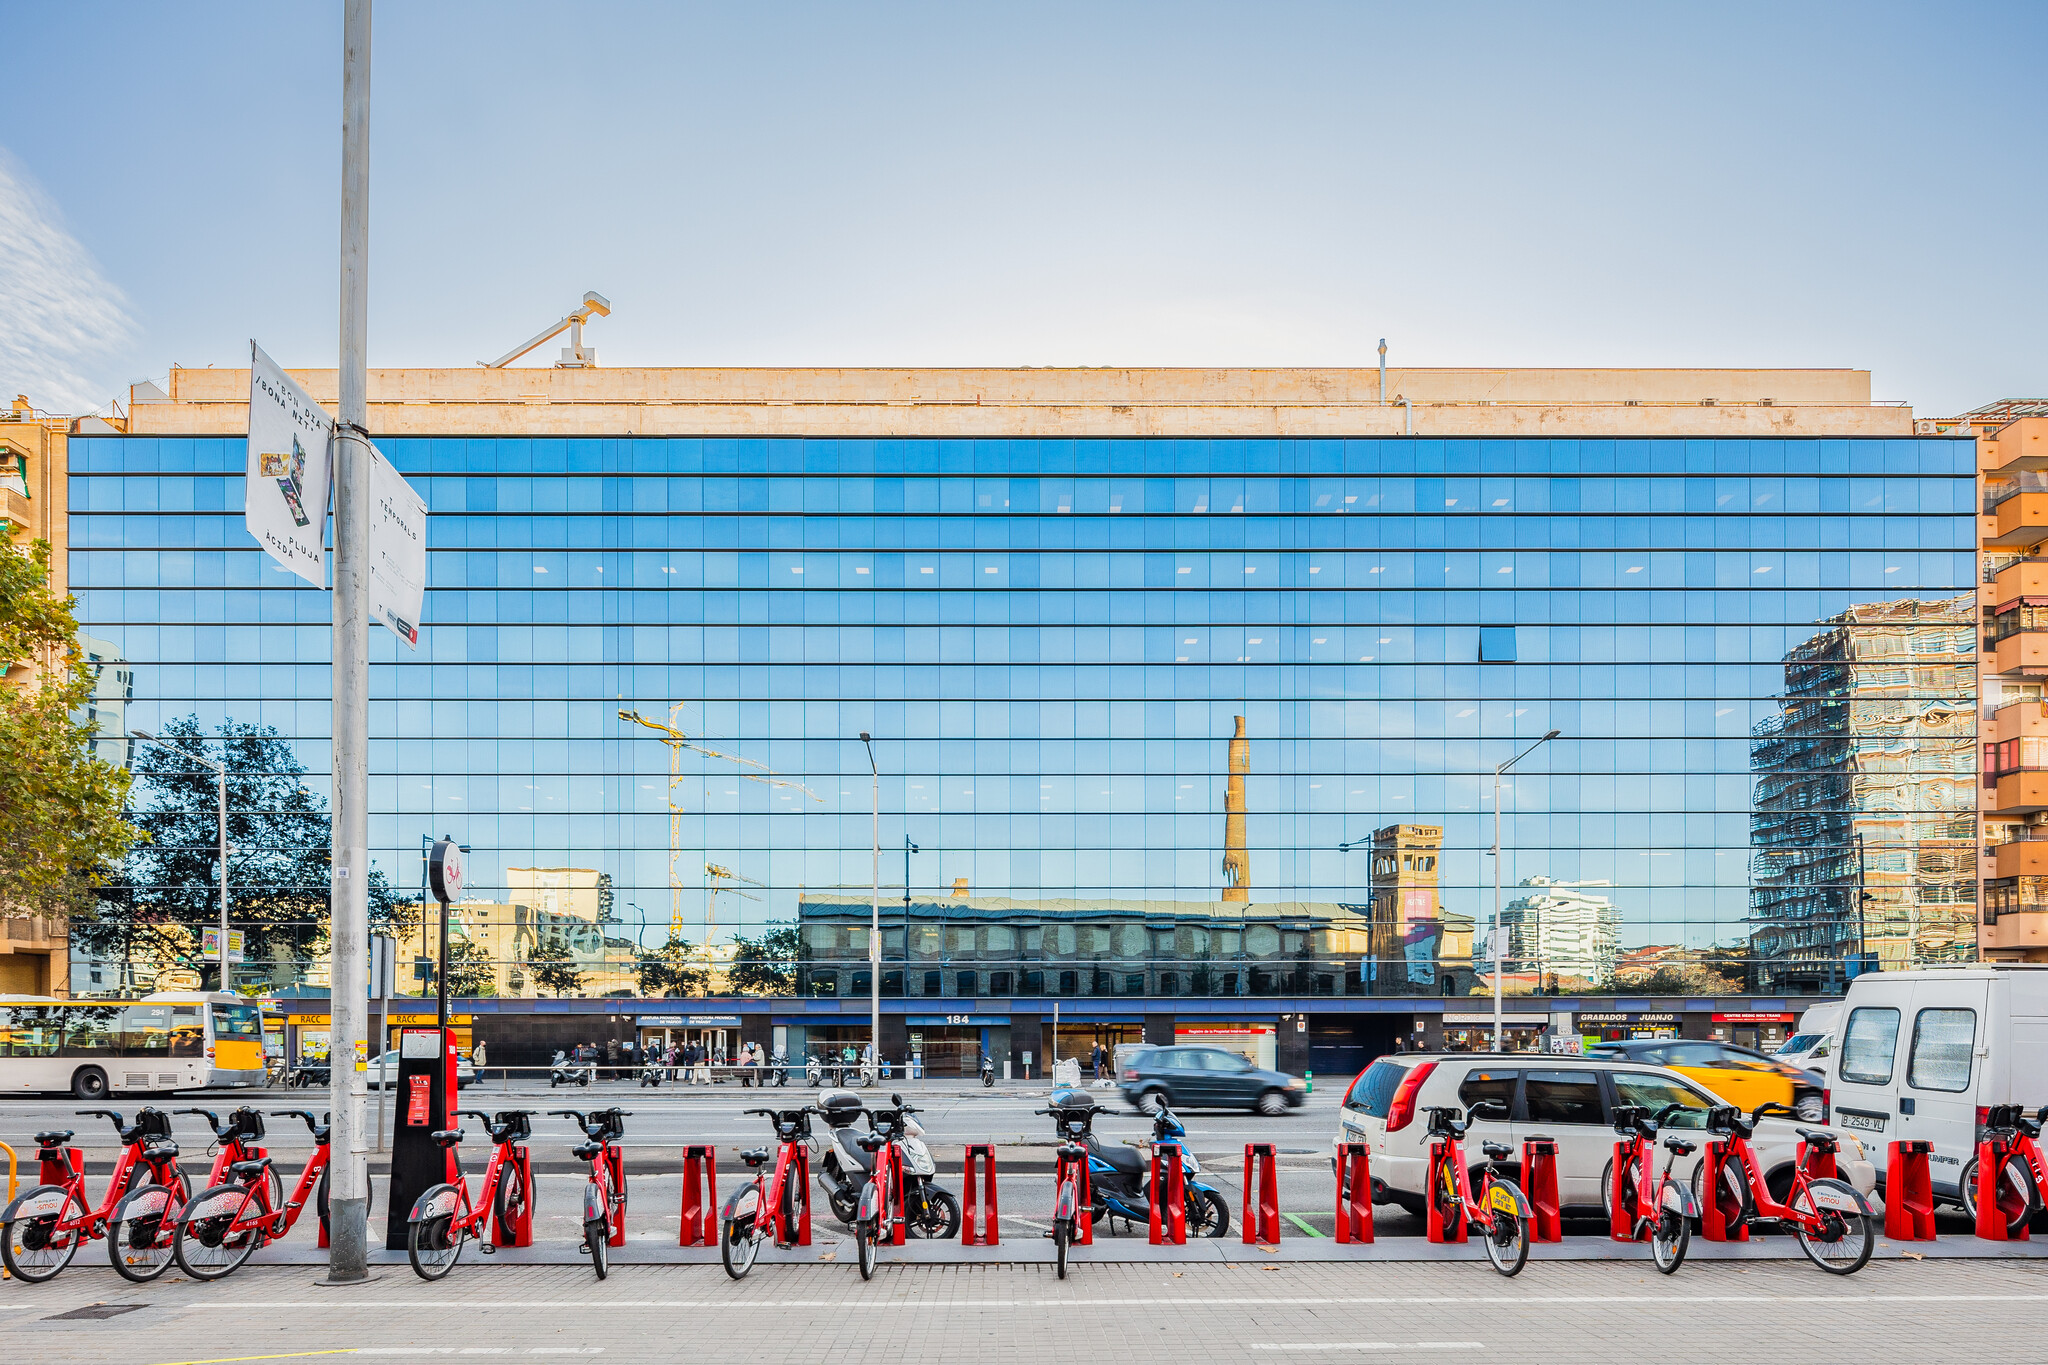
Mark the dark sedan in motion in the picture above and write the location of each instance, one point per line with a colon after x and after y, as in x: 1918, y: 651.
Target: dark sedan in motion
x: 1207, y: 1078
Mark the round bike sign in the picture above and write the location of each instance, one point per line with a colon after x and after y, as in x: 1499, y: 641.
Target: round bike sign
x: 444, y: 871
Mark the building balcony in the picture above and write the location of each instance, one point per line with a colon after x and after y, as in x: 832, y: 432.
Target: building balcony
x: 2024, y: 855
x: 2021, y: 793
x: 2023, y: 719
x: 2023, y: 932
x: 2024, y: 652
x: 14, y: 513
x: 2020, y: 519
x: 2024, y: 577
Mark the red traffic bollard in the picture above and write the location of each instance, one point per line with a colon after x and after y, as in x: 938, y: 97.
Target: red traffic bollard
x: 516, y: 1231
x: 1169, y: 1196
x: 1539, y: 1182
x: 1908, y: 1193
x: 1720, y: 1208
x: 1261, y: 1194
x: 700, y: 1197
x: 980, y: 1231
x: 2001, y: 1209
x: 1354, y: 1193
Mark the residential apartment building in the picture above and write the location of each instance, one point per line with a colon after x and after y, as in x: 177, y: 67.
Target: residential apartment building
x: 1563, y: 934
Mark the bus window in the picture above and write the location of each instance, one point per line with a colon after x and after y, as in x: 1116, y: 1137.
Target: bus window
x: 28, y: 1031
x: 237, y: 1021
x: 146, y: 1030
x: 188, y: 1035
x: 88, y: 1029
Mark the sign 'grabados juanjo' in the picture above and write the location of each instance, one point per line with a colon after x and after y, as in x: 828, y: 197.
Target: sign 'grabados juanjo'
x: 290, y: 464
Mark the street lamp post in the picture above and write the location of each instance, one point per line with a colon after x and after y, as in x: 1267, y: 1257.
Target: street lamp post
x: 220, y: 772
x: 875, y: 907
x: 1496, y: 879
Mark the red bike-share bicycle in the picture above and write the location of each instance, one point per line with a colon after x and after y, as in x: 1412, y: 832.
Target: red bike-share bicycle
x: 1501, y: 1215
x: 444, y: 1218
x: 1642, y: 1204
x: 43, y: 1227
x: 604, y: 1198
x: 767, y: 1206
x: 228, y: 1222
x: 1832, y: 1222
x: 2022, y: 1175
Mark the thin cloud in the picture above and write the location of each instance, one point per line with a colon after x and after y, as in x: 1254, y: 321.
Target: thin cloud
x: 62, y: 315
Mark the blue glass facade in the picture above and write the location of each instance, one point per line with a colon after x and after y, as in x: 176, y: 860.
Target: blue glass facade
x: 1051, y: 642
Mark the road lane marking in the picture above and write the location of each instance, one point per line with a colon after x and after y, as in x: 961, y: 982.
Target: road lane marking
x: 1367, y: 1346
x: 285, y: 1355
x: 1163, y: 1301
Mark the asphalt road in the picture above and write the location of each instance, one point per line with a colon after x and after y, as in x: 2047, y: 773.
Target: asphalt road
x: 1570, y: 1313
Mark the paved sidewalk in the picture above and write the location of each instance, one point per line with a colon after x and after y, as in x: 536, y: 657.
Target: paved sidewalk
x: 1930, y: 1313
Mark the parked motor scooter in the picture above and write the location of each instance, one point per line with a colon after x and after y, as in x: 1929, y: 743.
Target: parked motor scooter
x: 566, y: 1072
x: 778, y: 1066
x: 1121, y: 1175
x: 814, y: 1073
x: 988, y: 1071
x: 651, y: 1071
x: 843, y: 1167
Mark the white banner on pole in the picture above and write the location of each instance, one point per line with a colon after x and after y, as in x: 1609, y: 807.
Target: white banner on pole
x: 398, y: 550
x: 284, y: 504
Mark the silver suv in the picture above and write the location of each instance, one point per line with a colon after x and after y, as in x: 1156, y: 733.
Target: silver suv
x: 1569, y: 1099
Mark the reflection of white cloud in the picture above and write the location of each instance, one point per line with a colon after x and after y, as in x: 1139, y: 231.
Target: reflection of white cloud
x: 57, y: 312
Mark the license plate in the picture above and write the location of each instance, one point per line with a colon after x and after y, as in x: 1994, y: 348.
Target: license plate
x: 1869, y: 1123
x: 1501, y: 1201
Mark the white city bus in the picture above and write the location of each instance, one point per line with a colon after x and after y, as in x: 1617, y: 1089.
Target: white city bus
x: 171, y: 1040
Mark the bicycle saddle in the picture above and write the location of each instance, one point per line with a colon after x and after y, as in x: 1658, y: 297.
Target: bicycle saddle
x: 1680, y: 1146
x: 56, y: 1137
x: 160, y: 1150
x: 249, y: 1170
x: 446, y: 1137
x: 588, y: 1151
x: 755, y: 1156
x: 1499, y: 1151
x: 1820, y: 1141
x: 872, y: 1142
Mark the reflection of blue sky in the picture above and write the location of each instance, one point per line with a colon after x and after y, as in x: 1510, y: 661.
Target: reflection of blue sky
x: 1052, y: 701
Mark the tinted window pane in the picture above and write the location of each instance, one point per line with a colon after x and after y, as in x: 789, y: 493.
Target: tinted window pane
x: 1869, y: 1044
x: 1562, y: 1097
x: 1489, y: 1085
x: 1940, y: 1059
x: 1646, y: 1090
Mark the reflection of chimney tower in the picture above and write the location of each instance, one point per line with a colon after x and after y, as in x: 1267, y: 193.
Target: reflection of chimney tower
x: 1237, y: 862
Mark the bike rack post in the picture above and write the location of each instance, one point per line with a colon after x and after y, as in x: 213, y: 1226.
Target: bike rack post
x: 982, y: 1231
x: 1439, y: 1228
x: 1354, y: 1193
x: 1621, y: 1178
x: 1261, y: 1194
x: 1908, y: 1193
x: 1169, y: 1189
x: 1539, y: 1182
x: 615, y: 1161
x: 700, y: 1196
x: 518, y: 1166
x: 1995, y: 1215
x: 61, y: 1166
x: 1818, y: 1165
x: 1720, y: 1211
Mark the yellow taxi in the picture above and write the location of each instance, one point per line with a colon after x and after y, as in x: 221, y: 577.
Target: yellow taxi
x: 1739, y: 1075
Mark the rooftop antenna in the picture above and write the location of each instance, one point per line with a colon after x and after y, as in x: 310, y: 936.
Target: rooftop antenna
x: 574, y: 356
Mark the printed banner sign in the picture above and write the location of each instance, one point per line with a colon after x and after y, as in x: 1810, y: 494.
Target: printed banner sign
x: 209, y: 944
x: 398, y: 550
x: 284, y: 502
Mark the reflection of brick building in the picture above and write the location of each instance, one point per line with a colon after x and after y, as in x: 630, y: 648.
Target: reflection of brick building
x: 1863, y: 823
x: 1417, y: 948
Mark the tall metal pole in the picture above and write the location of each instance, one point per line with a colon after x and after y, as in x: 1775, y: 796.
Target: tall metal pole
x: 875, y: 931
x: 221, y: 776
x: 348, y: 1223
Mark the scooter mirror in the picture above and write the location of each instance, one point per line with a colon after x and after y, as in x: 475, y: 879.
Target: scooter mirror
x: 896, y: 1100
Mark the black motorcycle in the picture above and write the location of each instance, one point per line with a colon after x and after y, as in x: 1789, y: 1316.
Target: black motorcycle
x: 844, y: 1166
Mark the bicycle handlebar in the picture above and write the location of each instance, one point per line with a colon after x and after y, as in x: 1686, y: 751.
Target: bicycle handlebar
x: 1773, y: 1107
x: 305, y: 1114
x: 212, y: 1119
x: 120, y: 1123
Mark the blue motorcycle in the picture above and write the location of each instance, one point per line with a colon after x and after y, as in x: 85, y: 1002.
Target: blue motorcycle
x: 1122, y: 1175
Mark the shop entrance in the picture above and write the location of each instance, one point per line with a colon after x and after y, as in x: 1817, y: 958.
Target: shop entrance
x: 1077, y: 1041
x: 717, y: 1039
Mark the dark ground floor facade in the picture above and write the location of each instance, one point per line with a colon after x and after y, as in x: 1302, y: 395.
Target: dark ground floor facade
x: 947, y: 1038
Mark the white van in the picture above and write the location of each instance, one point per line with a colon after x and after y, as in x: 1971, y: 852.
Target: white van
x: 1813, y: 1038
x: 1922, y: 1055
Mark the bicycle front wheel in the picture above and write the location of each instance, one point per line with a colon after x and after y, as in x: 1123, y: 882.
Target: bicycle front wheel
x: 867, y: 1240
x: 1833, y: 1225
x: 141, y: 1233
x: 207, y: 1243
x: 35, y: 1243
x: 1062, y: 1233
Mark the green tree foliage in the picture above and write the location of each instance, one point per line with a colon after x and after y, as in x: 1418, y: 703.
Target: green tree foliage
x: 554, y: 969
x: 766, y: 965
x: 669, y: 971
x: 156, y: 903
x: 470, y: 969
x: 62, y: 806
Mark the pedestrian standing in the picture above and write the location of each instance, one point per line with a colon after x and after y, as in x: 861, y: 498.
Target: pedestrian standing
x: 703, y: 1064
x: 611, y: 1058
x: 476, y: 1058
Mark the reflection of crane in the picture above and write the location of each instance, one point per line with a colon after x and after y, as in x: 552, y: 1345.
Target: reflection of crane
x: 677, y: 741
x: 719, y: 876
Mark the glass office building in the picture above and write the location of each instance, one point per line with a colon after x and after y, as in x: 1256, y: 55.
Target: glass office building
x: 1053, y: 642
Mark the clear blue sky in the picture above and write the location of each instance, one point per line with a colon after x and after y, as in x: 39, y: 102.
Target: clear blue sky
x: 1040, y: 184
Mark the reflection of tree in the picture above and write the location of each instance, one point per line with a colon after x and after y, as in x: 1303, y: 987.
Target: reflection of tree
x: 155, y: 904
x: 668, y: 971
x: 553, y: 968
x: 765, y: 965
x: 470, y: 969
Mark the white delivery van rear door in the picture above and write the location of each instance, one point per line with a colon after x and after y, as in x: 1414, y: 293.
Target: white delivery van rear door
x: 1939, y: 1067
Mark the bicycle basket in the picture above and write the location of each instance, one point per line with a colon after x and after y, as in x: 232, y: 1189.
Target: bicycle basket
x: 152, y: 1123
x: 246, y: 1123
x: 510, y: 1125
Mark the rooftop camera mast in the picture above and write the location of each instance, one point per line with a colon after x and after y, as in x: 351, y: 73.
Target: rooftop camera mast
x: 574, y: 356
